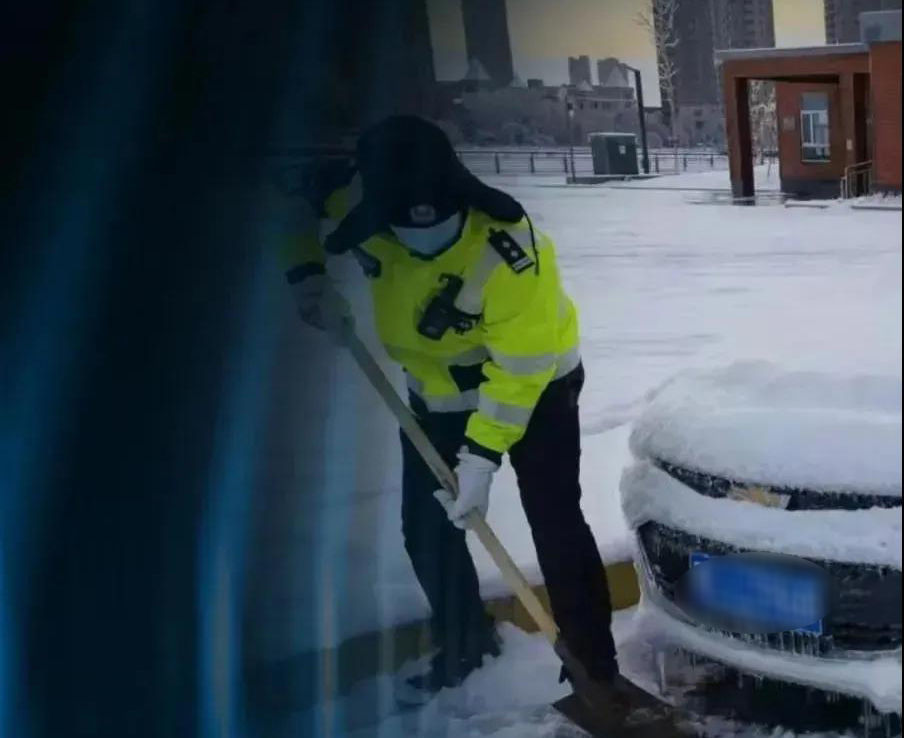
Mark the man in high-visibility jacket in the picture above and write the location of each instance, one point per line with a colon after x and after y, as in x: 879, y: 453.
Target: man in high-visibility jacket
x: 468, y: 299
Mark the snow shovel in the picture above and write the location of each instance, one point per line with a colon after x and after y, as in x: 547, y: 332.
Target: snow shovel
x: 590, y: 706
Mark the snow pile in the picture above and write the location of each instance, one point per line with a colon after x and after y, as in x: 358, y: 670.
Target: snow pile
x: 753, y: 423
x: 510, y: 697
x: 890, y: 201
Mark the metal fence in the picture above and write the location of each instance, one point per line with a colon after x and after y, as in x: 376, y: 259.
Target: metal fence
x: 857, y: 180
x: 559, y: 161
x: 292, y: 163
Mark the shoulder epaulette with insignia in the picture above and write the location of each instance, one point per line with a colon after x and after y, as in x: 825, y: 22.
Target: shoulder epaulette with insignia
x: 510, y: 250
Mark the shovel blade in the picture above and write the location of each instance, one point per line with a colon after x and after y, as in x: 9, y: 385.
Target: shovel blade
x: 574, y: 708
x: 600, y: 722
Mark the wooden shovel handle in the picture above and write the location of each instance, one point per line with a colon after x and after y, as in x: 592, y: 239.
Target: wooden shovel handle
x: 510, y: 571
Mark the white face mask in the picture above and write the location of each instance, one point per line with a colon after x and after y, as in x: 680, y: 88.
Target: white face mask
x: 432, y: 239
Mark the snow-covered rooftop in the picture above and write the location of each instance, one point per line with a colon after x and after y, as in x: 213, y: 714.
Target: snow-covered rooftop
x: 772, y: 52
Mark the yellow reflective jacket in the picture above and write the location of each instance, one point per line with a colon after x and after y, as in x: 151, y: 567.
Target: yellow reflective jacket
x: 524, y: 332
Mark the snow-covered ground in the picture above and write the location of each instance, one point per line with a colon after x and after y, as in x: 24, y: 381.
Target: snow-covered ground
x: 510, y: 697
x: 662, y: 285
x: 765, y: 179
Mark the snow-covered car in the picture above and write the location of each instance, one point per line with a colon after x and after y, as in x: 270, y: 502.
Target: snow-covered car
x: 808, y: 465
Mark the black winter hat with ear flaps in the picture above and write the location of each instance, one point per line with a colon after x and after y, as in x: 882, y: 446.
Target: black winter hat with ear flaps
x: 406, y: 162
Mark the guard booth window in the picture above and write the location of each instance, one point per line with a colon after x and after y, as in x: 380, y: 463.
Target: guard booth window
x: 814, y: 127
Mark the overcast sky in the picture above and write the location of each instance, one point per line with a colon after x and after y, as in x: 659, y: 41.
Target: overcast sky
x: 544, y: 33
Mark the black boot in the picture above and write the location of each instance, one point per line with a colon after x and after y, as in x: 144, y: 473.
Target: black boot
x: 622, y: 701
x: 603, y: 671
x: 447, y: 670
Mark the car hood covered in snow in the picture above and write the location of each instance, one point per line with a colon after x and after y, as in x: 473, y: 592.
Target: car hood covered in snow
x: 755, y: 424
x: 751, y: 458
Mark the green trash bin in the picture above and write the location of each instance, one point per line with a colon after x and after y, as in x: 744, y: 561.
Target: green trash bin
x: 614, y: 153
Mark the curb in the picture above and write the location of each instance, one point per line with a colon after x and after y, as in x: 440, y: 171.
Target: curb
x: 623, y: 589
x: 313, y: 677
x: 590, y: 179
x: 886, y: 208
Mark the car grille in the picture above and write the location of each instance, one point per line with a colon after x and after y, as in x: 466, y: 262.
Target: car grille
x: 800, y: 499
x: 866, y: 602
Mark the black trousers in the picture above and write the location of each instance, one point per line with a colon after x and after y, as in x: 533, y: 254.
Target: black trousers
x: 546, y: 461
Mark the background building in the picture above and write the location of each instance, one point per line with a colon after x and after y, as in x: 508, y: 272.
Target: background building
x: 839, y: 111
x: 476, y: 77
x: 538, y: 115
x: 841, y: 17
x: 579, y: 70
x: 703, y: 27
x: 700, y: 28
x: 692, y: 56
x: 615, y: 81
x: 742, y: 24
x: 337, y: 81
x: 487, y: 38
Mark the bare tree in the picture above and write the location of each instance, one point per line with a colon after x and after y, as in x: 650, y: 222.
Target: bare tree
x: 763, y: 120
x: 659, y: 22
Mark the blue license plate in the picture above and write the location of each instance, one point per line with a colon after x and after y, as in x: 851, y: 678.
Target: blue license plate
x: 750, y: 591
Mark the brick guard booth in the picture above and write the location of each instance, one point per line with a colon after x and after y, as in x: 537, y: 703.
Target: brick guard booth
x: 838, y: 110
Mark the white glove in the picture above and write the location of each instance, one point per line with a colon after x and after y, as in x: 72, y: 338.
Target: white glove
x: 321, y: 306
x: 475, y: 475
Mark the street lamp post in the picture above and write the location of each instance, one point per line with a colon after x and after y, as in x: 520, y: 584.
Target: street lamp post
x: 569, y: 106
x: 638, y: 84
